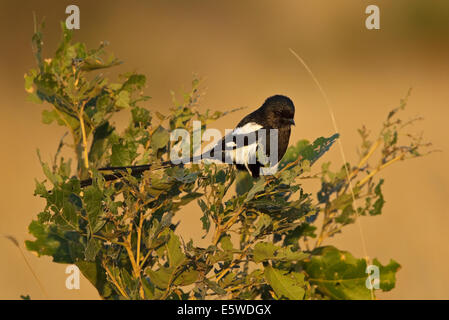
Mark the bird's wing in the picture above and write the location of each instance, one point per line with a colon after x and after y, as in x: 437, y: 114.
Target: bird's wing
x: 241, y: 145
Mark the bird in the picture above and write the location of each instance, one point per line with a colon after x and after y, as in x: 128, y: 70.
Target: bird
x: 250, y: 146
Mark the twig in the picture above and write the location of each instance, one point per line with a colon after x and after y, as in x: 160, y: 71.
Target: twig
x: 114, y: 281
x: 369, y: 176
x: 83, y: 131
x: 16, y: 243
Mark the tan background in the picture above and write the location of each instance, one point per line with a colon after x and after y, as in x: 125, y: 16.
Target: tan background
x: 241, y: 49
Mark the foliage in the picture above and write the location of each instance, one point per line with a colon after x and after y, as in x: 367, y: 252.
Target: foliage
x: 266, y: 240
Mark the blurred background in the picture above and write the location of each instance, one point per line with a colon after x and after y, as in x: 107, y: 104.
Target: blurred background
x: 240, y: 49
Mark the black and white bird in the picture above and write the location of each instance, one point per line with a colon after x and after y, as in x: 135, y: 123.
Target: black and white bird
x: 259, y: 138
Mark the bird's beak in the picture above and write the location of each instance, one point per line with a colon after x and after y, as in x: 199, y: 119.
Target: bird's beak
x: 292, y: 121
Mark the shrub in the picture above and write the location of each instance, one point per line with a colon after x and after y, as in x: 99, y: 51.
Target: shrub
x: 266, y: 240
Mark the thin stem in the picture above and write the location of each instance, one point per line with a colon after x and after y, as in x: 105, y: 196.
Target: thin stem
x: 242, y: 255
x: 106, y: 240
x: 365, y: 158
x: 139, y: 236
x: 220, y: 230
x: 368, y: 177
x: 145, y: 258
x: 16, y: 244
x: 83, y: 131
x: 129, y: 250
x: 114, y: 281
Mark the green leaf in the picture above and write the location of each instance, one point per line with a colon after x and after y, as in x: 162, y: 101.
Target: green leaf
x: 175, y: 255
x: 262, y: 223
x: 45, y: 244
x: 205, y: 218
x: 48, y: 242
x: 244, y: 182
x: 69, y: 216
x: 50, y: 116
x: 122, y: 99
x: 135, y: 81
x: 311, y: 152
x: 148, y: 288
x: 264, y: 251
x: 40, y: 189
x: 338, y: 275
x: 186, y: 278
x: 387, y: 274
x: 120, y: 156
x: 92, y: 249
x: 97, y: 276
x: 189, y: 197
x: 34, y: 98
x: 29, y: 80
x: 141, y: 115
x: 379, y: 203
x: 257, y: 187
x: 303, y: 230
x: 93, y: 204
x: 98, y: 148
x: 90, y: 65
x: 160, y: 277
x: 285, y: 285
x: 53, y: 177
x: 206, y: 223
x: 160, y: 138
x: 215, y: 287
x: 226, y: 243
x: 288, y: 176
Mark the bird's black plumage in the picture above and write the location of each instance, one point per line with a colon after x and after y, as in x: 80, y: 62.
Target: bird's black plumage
x: 277, y: 112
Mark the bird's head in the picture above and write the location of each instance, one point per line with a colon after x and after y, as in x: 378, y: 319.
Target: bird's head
x: 279, y: 111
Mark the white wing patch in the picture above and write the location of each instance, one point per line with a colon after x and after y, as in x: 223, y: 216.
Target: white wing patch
x: 247, y: 128
x: 240, y: 146
x: 241, y: 153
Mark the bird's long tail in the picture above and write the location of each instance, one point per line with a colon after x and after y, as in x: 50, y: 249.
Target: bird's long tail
x: 118, y: 172
x: 136, y: 171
